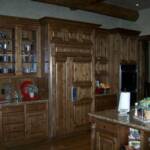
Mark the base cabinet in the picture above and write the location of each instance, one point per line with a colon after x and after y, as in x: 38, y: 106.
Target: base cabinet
x: 105, y: 142
x: 24, y: 123
x: 111, y: 135
x: 36, y: 121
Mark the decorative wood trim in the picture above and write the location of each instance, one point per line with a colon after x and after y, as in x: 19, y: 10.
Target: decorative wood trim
x: 72, y: 54
x: 82, y: 84
x: 81, y: 59
x: 84, y: 101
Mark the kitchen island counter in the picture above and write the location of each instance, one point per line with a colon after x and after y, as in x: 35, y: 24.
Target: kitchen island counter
x: 110, y: 130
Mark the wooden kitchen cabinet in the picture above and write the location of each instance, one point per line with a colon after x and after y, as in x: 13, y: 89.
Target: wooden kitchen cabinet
x: 106, y: 136
x: 105, y: 141
x: 20, y: 50
x: 69, y: 47
x: 13, y: 123
x: 36, y: 120
x: 24, y: 122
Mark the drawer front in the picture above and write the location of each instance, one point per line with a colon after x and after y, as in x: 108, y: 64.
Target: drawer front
x: 38, y: 116
x: 14, y: 128
x: 107, y: 127
x: 14, y: 136
x: 13, y: 109
x: 36, y: 107
x: 11, y: 118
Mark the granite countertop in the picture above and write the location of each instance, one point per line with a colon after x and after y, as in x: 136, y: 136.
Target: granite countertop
x: 114, y: 117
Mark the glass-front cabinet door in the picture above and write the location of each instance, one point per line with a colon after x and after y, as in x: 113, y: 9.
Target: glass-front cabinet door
x: 28, y: 51
x: 7, y: 51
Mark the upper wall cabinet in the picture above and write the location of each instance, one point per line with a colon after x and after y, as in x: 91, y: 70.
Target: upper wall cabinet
x: 19, y: 47
x: 125, y: 45
x: 7, y: 51
x: 28, y: 51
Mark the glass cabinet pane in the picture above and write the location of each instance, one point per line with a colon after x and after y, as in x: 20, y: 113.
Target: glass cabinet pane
x: 28, y: 52
x: 7, y: 51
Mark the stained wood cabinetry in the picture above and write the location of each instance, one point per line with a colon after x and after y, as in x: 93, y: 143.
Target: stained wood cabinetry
x: 102, y: 57
x: 36, y: 120
x: 13, y: 122
x: 104, y: 93
x: 105, y: 136
x: 103, y: 102
x: 105, y: 141
x: 124, y: 49
x: 19, y: 47
x: 71, y: 74
x: 24, y: 123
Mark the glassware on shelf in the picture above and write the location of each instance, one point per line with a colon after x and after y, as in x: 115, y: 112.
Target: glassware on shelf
x: 29, y: 62
x: 7, y: 51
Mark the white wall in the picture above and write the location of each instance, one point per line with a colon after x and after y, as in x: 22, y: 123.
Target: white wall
x: 143, y: 22
x: 31, y: 9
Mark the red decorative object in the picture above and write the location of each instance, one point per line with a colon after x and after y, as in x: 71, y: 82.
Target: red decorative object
x: 99, y: 90
x: 24, y: 91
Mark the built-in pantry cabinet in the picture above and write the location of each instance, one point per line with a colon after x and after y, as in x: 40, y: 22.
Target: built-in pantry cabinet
x: 70, y: 46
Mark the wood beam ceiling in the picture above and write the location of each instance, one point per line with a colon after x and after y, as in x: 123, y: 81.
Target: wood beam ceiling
x: 97, y: 6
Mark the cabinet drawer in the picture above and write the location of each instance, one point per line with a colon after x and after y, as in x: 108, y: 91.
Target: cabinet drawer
x: 107, y: 127
x: 36, y: 107
x: 14, y: 128
x: 11, y: 118
x: 14, y: 136
x: 38, y: 116
x: 13, y: 109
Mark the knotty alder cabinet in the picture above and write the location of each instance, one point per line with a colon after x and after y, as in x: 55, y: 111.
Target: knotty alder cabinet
x: 70, y: 48
x: 124, y: 50
x: 24, y: 122
x: 112, y: 48
x: 19, y: 47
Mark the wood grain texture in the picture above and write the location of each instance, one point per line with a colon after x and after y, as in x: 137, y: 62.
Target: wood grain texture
x: 24, y: 123
x: 70, y: 45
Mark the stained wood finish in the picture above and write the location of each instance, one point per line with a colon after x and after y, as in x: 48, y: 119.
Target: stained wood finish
x: 102, y: 57
x: 105, y: 142
x: 97, y: 6
x: 24, y: 123
x: 17, y: 25
x: 103, y: 102
x: 124, y: 49
x: 71, y: 63
x: 106, y: 135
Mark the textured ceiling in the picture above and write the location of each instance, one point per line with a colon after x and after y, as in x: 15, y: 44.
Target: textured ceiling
x: 143, y: 4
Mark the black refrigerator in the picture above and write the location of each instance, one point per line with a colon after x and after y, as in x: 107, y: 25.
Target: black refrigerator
x: 128, y: 80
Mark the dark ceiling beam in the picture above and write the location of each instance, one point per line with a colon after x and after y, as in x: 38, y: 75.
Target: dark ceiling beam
x: 97, y: 6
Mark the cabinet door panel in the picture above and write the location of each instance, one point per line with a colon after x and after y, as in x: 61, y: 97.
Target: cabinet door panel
x: 63, y: 104
x: 82, y: 71
x: 81, y: 114
x: 105, y: 142
x: 36, y: 125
